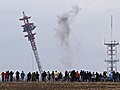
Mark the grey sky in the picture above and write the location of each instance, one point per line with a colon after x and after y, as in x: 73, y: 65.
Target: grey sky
x: 86, y: 39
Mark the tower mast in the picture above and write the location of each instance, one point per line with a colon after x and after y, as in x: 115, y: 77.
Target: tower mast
x: 29, y: 27
x: 111, y: 51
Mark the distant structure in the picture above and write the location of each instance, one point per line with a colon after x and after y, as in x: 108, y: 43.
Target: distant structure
x: 29, y: 27
x: 111, y: 52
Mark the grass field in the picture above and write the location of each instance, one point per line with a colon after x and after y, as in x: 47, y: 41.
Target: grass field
x: 60, y: 86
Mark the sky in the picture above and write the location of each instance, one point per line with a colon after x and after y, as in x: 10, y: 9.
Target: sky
x: 88, y: 30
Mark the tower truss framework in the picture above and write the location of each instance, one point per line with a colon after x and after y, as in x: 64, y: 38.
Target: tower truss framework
x: 112, y: 51
x: 112, y: 55
x: 28, y: 28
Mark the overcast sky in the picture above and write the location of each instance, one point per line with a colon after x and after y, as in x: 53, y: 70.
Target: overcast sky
x: 87, y: 34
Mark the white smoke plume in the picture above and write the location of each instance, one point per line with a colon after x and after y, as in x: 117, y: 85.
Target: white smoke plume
x: 63, y: 33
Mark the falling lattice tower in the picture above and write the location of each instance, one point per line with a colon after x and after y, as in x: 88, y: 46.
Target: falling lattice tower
x: 29, y: 27
x: 112, y: 53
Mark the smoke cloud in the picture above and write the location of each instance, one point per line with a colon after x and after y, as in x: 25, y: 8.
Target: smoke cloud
x: 63, y: 33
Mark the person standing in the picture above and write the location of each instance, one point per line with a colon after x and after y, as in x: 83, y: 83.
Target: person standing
x: 3, y: 74
x: 37, y: 76
x: 66, y: 76
x: 33, y: 76
x: 17, y: 76
x: 44, y: 76
x: 22, y: 75
x: 52, y: 76
x: 11, y: 76
x: 60, y: 76
x: 28, y: 77
x: 56, y: 74
x: 7, y: 75
x: 73, y: 75
x: 48, y: 77
x: 77, y: 76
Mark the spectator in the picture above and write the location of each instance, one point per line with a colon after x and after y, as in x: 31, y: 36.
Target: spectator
x: 73, y: 76
x: 33, y: 76
x: 48, y: 77
x: 44, y: 76
x: 37, y: 76
x: 28, y: 77
x: 56, y: 74
x: 81, y: 76
x: 7, y: 75
x: 93, y: 77
x: 66, y: 75
x: 104, y: 76
x: 60, y: 76
x: 17, y: 76
x: 22, y: 75
x: 11, y: 76
x: 77, y: 76
x: 52, y: 75
x: 3, y: 76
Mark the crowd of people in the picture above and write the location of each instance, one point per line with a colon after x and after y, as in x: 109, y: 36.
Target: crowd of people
x: 70, y: 76
x: 82, y: 76
x: 9, y: 76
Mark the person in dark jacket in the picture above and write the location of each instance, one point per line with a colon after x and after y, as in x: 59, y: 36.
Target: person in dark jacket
x: 11, y: 76
x: 7, y: 75
x: 44, y: 76
x: 33, y: 76
x: 66, y: 76
x: 17, y: 76
x: 28, y: 77
x: 73, y: 76
x: 52, y: 76
x: 3, y: 74
x: 60, y: 76
x: 37, y: 76
x: 22, y: 75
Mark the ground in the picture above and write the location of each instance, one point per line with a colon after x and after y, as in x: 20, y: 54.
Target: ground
x: 60, y: 86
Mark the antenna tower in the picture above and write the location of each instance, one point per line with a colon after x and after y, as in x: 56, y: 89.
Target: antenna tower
x: 111, y: 52
x: 29, y: 27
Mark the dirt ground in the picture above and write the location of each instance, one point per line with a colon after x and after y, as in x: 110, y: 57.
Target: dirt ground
x: 60, y: 86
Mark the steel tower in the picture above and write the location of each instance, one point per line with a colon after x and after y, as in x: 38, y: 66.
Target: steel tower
x: 29, y: 27
x: 112, y: 53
